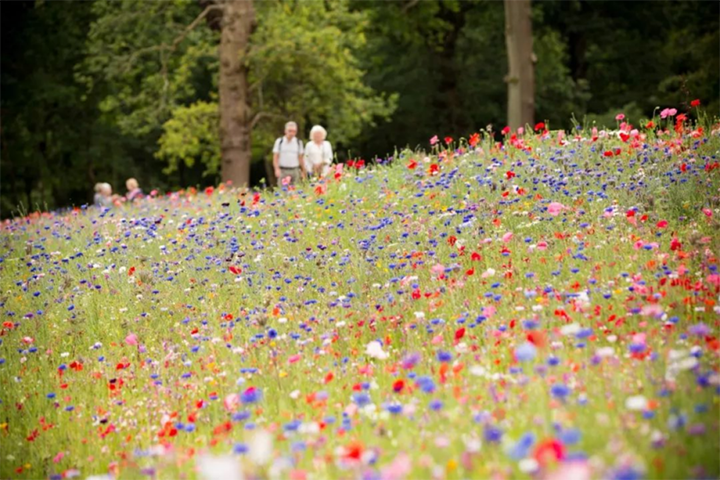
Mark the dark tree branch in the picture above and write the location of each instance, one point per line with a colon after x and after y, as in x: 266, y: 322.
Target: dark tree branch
x: 260, y: 115
x: 409, y: 5
x: 194, y: 24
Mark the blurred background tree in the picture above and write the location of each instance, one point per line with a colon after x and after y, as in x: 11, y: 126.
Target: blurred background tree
x: 101, y: 91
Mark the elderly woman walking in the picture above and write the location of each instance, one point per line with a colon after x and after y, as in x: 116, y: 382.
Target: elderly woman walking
x: 318, y: 153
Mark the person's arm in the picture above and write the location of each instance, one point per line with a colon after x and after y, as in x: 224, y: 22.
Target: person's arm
x: 328, y: 160
x: 276, y: 159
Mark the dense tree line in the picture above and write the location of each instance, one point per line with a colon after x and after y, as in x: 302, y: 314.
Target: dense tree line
x: 101, y: 91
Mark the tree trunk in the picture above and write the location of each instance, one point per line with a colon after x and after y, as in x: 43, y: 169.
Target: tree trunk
x: 521, y: 75
x: 237, y: 22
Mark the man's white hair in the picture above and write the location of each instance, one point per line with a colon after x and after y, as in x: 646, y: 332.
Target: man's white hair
x: 318, y: 128
x: 290, y: 124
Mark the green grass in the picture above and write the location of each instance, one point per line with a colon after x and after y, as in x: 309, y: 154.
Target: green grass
x: 313, y: 273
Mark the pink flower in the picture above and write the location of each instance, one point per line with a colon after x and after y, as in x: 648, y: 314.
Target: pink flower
x: 58, y: 458
x: 708, y: 213
x: 131, y: 339
x: 569, y: 470
x: 294, y: 358
x: 668, y: 112
x: 662, y: 224
x: 555, y: 208
x: 507, y: 237
x: 438, y: 269
x: 542, y: 245
x: 619, y: 117
x: 398, y: 469
x: 653, y: 310
x: 489, y: 311
x: 434, y: 140
x: 231, y: 402
x: 286, y: 181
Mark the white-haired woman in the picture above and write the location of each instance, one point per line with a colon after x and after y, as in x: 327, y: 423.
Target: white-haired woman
x: 318, y: 153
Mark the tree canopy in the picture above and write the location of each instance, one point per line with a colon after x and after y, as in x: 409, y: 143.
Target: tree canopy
x: 101, y: 91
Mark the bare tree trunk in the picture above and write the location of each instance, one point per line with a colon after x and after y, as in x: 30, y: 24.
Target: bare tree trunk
x: 237, y: 22
x: 521, y: 75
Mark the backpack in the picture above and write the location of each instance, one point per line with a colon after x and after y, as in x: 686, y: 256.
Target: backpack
x: 282, y: 139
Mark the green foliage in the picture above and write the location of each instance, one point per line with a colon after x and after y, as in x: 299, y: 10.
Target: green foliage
x: 633, y: 114
x: 150, y: 60
x: 557, y: 95
x: 191, y: 134
x: 304, y: 66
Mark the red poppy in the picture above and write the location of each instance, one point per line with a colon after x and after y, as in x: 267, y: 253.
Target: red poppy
x: 209, y: 191
x: 695, y: 103
x: 398, y: 386
x: 505, y: 130
x: 412, y: 164
x: 235, y: 270
x: 549, y: 451
x: 434, y: 168
x: 475, y: 257
x: 509, y: 174
x: 448, y: 140
x: 474, y: 139
x: 459, y: 333
x: 539, y: 126
x: 452, y: 239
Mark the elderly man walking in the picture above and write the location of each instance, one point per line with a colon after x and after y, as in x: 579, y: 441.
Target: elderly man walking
x: 288, y: 155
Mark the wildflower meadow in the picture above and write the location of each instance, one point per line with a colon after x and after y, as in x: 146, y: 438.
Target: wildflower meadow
x: 545, y: 306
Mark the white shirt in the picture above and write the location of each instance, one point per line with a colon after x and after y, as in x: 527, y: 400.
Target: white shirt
x: 289, y: 152
x: 318, y: 155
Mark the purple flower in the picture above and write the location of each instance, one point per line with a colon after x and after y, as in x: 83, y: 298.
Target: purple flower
x: 560, y: 390
x: 492, y: 434
x: 699, y: 329
x: 525, y: 352
x: 443, y: 356
x: 251, y: 395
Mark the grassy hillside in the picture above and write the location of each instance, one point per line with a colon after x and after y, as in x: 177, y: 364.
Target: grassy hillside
x: 543, y: 306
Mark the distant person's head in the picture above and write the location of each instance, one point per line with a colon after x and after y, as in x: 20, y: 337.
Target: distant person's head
x: 98, y: 187
x: 105, y: 189
x: 290, y: 129
x: 318, y: 133
x: 131, y: 184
